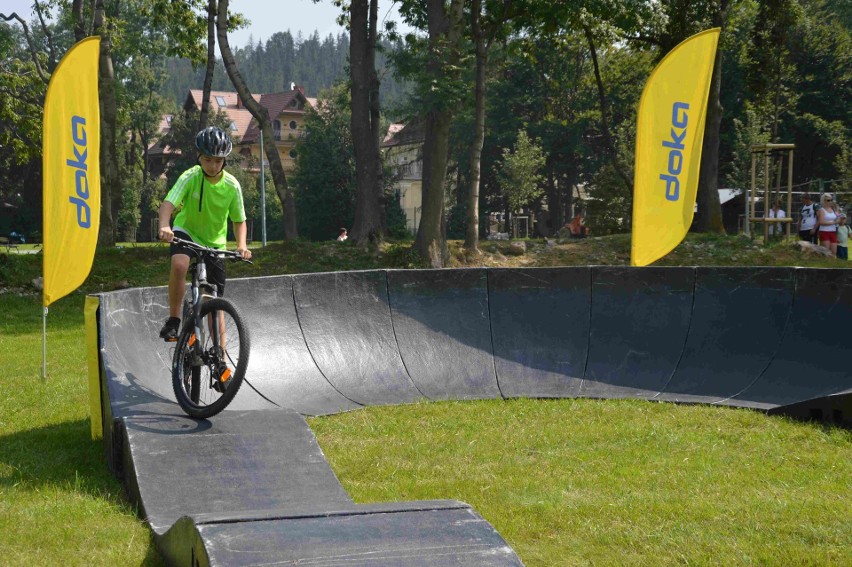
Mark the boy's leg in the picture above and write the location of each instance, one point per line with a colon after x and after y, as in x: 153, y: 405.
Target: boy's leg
x: 216, y: 276
x: 177, y: 283
x: 177, y: 289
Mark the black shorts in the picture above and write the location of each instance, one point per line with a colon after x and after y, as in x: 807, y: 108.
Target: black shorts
x: 215, y: 266
x: 808, y: 236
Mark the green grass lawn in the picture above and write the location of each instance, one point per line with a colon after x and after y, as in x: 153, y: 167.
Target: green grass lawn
x: 612, y: 482
x: 564, y: 481
x: 59, y: 504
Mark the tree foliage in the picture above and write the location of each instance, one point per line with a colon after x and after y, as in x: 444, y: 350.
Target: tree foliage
x: 325, y: 168
x: 324, y: 180
x: 519, y: 172
x: 272, y: 64
x: 786, y: 74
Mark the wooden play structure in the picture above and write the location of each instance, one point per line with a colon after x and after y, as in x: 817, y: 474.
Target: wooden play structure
x: 772, y: 156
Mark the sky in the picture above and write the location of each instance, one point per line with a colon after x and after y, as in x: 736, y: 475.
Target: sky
x: 267, y: 17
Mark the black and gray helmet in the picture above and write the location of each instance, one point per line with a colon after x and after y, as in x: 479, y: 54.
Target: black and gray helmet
x: 213, y: 141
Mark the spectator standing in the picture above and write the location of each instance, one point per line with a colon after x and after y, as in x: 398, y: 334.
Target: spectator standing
x: 808, y: 220
x: 776, y: 212
x: 842, y: 238
x: 827, y: 221
x: 343, y: 236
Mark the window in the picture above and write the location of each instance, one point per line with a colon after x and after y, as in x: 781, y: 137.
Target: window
x: 276, y: 129
x: 233, y: 126
x: 293, y: 154
x: 293, y: 125
x: 220, y: 100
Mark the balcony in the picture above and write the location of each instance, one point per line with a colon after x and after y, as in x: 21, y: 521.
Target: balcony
x: 413, y: 170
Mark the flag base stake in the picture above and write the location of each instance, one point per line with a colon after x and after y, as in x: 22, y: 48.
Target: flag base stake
x: 44, y: 344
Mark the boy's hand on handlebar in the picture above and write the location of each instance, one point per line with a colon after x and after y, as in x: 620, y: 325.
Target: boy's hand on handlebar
x: 166, y: 234
x: 245, y: 253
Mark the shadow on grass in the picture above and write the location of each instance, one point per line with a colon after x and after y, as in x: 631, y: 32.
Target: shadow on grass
x: 64, y: 456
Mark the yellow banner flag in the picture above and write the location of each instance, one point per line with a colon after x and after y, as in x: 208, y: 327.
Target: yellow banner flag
x: 669, y: 138
x: 71, y: 170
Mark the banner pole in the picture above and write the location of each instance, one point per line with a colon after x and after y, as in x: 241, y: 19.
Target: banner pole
x: 44, y: 344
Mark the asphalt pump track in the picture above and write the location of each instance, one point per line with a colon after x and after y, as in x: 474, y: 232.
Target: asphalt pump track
x: 251, y: 486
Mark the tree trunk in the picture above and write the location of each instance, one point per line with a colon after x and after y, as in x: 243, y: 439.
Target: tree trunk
x: 471, y: 240
x: 211, y: 65
x: 430, y: 240
x: 110, y: 190
x: 145, y: 143
x: 709, y: 216
x: 443, y: 29
x: 610, y: 147
x: 369, y: 223
x: 285, y: 195
x: 79, y: 24
x: 554, y: 203
x: 375, y: 119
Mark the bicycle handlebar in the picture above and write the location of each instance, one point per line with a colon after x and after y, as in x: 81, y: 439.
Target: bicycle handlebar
x: 232, y: 254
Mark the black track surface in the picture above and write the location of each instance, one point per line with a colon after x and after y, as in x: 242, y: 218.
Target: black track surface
x: 251, y: 486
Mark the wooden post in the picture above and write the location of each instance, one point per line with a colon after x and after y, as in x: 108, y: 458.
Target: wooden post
x: 789, y: 189
x: 769, y: 150
x: 750, y: 198
x: 765, y: 194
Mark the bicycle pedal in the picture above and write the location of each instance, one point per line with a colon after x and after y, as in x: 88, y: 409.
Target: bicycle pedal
x: 170, y: 339
x: 221, y: 383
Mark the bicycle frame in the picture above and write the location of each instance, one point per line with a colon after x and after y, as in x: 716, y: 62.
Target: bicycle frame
x: 198, y: 269
x: 198, y: 272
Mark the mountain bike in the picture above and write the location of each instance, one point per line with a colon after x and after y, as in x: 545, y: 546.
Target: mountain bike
x: 213, y: 345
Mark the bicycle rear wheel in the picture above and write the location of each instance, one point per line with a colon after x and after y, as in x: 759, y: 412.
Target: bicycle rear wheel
x: 208, y: 370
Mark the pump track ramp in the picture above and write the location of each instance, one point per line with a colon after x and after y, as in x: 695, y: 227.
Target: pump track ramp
x: 251, y: 486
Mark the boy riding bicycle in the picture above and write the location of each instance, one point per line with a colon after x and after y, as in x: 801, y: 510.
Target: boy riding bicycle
x: 207, y: 196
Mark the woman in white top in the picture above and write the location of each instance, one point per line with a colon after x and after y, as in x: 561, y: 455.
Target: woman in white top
x: 827, y: 221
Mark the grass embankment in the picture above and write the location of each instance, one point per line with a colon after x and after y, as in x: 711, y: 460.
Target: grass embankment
x: 565, y: 481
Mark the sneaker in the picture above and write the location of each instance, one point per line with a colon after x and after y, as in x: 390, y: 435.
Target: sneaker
x: 169, y: 332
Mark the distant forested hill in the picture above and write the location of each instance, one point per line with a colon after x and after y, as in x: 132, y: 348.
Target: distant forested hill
x: 311, y: 62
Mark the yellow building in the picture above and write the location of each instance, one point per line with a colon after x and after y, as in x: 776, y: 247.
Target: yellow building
x: 403, y: 151
x: 286, y: 110
x: 287, y: 113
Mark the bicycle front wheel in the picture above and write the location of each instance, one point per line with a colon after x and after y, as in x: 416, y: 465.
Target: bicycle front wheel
x: 209, y: 366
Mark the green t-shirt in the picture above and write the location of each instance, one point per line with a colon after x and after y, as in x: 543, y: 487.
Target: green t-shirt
x: 204, y: 215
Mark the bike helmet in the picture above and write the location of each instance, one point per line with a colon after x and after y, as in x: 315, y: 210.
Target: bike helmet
x: 213, y: 141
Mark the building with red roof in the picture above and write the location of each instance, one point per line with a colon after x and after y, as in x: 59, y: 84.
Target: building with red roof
x: 286, y: 112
